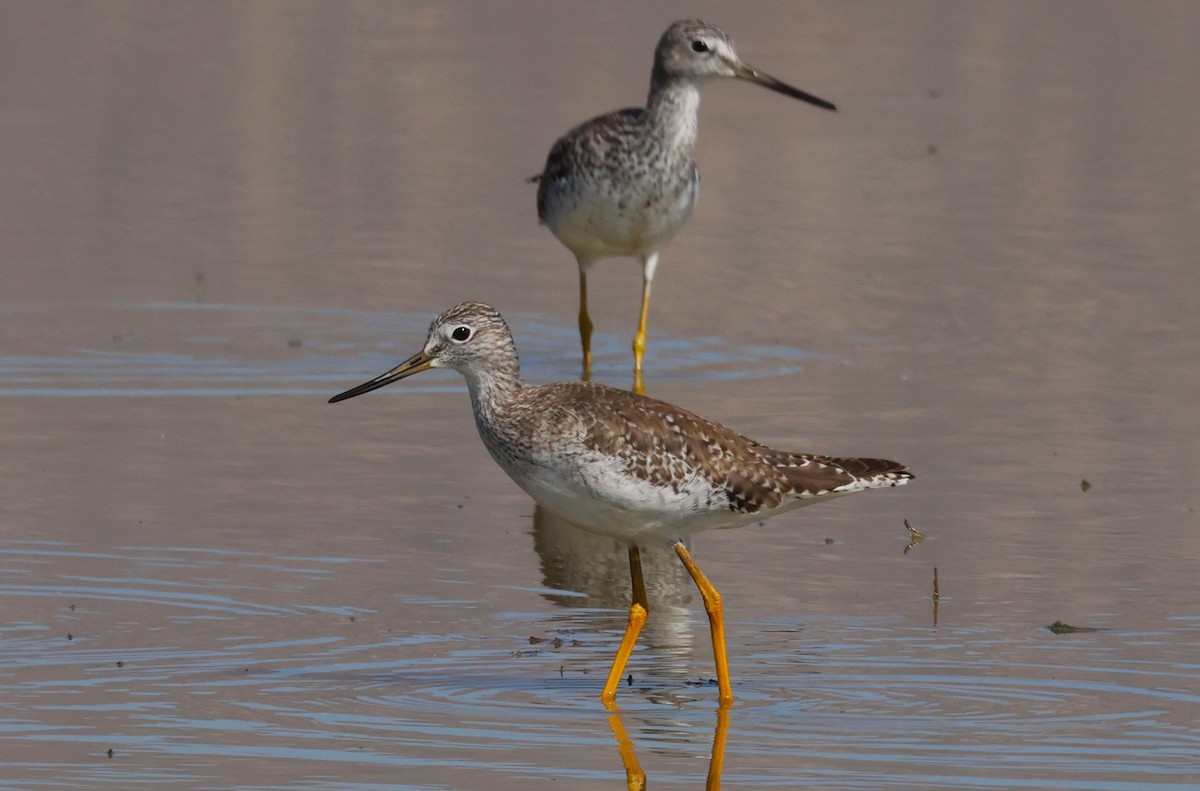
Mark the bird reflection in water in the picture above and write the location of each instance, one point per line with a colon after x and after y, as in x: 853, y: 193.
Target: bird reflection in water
x: 635, y: 777
x: 577, y: 561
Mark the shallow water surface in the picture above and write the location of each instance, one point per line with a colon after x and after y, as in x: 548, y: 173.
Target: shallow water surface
x: 216, y: 216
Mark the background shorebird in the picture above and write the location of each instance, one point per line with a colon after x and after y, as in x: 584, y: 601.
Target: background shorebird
x: 623, y: 464
x: 624, y: 183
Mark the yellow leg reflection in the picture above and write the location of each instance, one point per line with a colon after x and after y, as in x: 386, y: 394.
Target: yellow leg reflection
x: 716, y: 764
x: 937, y: 595
x: 635, y: 777
x: 716, y: 621
x: 585, y: 325
x: 637, y: 617
x: 649, y: 263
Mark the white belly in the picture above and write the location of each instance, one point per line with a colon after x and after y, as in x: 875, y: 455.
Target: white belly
x: 598, y: 223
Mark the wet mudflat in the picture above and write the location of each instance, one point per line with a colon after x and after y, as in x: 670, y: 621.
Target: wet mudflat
x: 217, y: 216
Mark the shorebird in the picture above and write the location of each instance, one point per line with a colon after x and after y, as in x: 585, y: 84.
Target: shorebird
x: 624, y: 183
x: 623, y: 464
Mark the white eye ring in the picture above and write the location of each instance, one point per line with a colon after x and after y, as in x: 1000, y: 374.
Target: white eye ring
x: 461, y: 334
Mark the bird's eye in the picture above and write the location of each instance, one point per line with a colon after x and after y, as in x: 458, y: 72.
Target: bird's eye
x: 699, y: 46
x: 461, y: 334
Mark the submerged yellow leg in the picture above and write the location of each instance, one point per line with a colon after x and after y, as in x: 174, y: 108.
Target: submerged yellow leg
x: 637, y: 617
x: 716, y: 621
x: 585, y: 326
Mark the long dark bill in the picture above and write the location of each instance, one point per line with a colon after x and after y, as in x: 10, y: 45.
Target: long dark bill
x: 767, y: 81
x: 413, y: 365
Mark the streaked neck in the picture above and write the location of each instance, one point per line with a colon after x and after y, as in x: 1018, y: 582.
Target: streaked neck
x: 673, y: 109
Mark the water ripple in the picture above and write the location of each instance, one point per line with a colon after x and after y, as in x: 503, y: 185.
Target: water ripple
x: 258, y: 350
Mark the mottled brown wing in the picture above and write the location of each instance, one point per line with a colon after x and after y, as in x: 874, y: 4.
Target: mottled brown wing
x: 668, y: 446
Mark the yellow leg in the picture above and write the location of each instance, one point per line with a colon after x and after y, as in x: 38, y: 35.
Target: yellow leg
x: 635, y: 778
x: 716, y: 621
x: 637, y: 617
x: 649, y: 264
x: 585, y: 326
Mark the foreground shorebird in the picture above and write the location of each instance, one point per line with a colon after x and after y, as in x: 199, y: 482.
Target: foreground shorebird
x: 623, y: 184
x: 625, y: 465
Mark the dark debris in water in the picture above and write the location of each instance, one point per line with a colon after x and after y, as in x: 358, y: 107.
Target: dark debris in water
x: 1084, y: 485
x: 701, y: 682
x: 1058, y: 627
x: 556, y: 642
